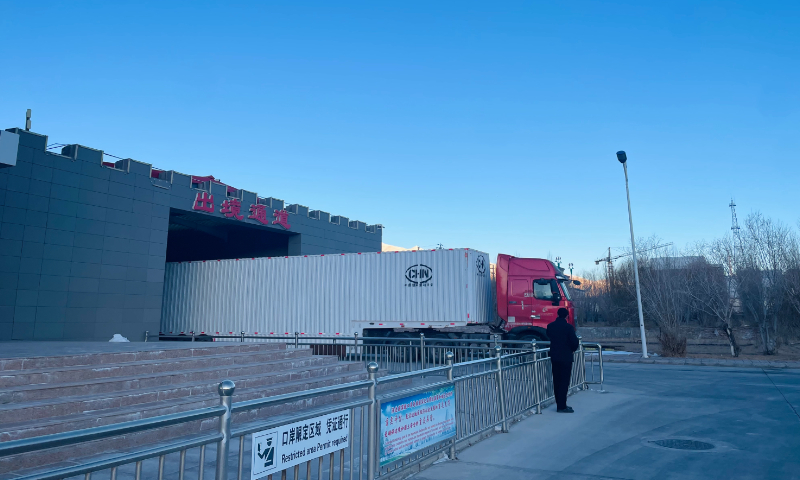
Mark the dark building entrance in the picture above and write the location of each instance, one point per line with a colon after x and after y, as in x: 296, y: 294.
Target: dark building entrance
x: 195, y: 236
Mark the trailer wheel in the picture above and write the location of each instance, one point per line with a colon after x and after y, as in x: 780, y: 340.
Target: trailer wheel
x: 403, y: 348
x: 435, y: 350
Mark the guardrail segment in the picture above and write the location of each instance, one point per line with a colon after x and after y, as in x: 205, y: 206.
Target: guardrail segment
x: 481, y: 393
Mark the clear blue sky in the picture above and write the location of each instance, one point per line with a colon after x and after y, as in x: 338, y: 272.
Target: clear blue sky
x: 490, y: 125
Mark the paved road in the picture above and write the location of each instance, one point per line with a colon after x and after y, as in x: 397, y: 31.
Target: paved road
x: 751, y: 415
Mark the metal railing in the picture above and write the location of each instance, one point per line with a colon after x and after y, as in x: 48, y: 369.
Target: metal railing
x: 393, y: 354
x: 489, y: 393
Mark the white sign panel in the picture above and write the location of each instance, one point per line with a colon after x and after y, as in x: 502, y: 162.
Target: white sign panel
x: 298, y: 442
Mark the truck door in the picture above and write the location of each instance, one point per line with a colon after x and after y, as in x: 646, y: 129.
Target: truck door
x: 519, y: 300
x: 542, y: 308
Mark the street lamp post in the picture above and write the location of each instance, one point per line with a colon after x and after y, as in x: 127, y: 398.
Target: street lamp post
x: 623, y: 159
x: 570, y: 268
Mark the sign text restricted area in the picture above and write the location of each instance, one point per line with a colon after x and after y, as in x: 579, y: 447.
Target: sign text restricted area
x: 295, y: 443
x: 416, y: 422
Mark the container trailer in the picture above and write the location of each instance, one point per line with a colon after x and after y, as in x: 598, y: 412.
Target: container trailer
x: 444, y: 293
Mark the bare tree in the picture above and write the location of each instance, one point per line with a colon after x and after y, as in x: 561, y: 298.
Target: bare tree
x: 761, y: 274
x: 666, y: 301
x: 792, y: 281
x: 590, y: 298
x: 712, y: 284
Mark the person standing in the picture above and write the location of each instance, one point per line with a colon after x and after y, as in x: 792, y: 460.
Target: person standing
x: 563, y: 343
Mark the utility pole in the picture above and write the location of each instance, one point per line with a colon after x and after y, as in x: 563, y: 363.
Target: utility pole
x: 623, y: 159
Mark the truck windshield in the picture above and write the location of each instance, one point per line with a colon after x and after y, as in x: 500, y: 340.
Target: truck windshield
x: 566, y: 290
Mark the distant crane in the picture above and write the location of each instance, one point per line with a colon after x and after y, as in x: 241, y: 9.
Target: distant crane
x: 610, y: 260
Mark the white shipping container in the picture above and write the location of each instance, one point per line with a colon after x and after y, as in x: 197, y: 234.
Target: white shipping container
x: 328, y: 294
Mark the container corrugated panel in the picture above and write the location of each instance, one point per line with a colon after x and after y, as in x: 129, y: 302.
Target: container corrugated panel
x: 328, y: 294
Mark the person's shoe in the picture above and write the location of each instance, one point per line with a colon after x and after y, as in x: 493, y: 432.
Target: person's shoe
x: 565, y: 410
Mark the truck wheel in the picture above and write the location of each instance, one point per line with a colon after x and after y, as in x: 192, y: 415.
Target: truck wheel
x: 403, y: 348
x: 435, y: 351
x: 525, y: 341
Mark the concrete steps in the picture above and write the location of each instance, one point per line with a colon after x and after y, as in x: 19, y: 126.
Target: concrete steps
x: 145, y: 380
x: 194, y: 350
x: 47, y: 395
x: 63, y: 374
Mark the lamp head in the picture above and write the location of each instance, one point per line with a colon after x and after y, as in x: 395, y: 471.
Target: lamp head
x: 622, y: 157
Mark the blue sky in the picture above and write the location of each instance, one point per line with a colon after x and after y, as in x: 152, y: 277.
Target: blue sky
x: 489, y: 125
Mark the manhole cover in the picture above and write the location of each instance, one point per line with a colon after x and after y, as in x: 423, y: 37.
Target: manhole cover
x: 681, y: 444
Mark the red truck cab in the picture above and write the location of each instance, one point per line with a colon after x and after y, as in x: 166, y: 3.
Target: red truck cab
x: 529, y: 293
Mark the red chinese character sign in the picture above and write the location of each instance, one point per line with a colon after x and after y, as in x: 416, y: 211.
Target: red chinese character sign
x: 231, y: 208
x: 204, y: 202
x: 281, y: 218
x: 259, y: 214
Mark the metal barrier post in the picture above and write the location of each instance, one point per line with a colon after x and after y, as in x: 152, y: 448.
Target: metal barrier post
x: 372, y: 422
x: 600, y: 365
x: 501, y: 395
x: 422, y: 350
x: 355, y: 346
x: 449, y: 357
x: 296, y: 339
x: 192, y: 332
x: 146, y: 334
x: 242, y: 336
x: 225, y: 390
x: 536, y: 378
x: 582, y: 369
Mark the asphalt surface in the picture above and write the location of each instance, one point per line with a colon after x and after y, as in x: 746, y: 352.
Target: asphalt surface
x: 751, y: 416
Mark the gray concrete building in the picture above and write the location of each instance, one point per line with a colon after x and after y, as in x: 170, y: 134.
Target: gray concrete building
x: 84, y: 239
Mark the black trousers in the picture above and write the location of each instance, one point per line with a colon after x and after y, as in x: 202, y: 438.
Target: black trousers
x: 562, y: 372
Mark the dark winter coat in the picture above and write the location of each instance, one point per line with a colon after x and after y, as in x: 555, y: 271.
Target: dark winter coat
x: 563, y: 340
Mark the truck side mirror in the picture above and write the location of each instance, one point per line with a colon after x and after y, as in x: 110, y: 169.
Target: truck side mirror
x: 556, y: 298
x: 576, y: 282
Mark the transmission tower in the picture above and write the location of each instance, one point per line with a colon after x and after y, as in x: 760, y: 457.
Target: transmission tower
x: 734, y: 231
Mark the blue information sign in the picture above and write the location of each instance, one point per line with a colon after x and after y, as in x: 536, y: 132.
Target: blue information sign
x: 412, y: 423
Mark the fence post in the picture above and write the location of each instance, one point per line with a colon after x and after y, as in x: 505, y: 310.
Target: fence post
x: 582, y: 370
x: 225, y: 390
x: 355, y: 347
x: 536, y: 378
x: 449, y: 357
x: 192, y: 332
x: 146, y: 334
x: 501, y: 395
x: 372, y: 422
x: 296, y: 339
x: 422, y: 350
x: 242, y: 336
x: 600, y: 365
